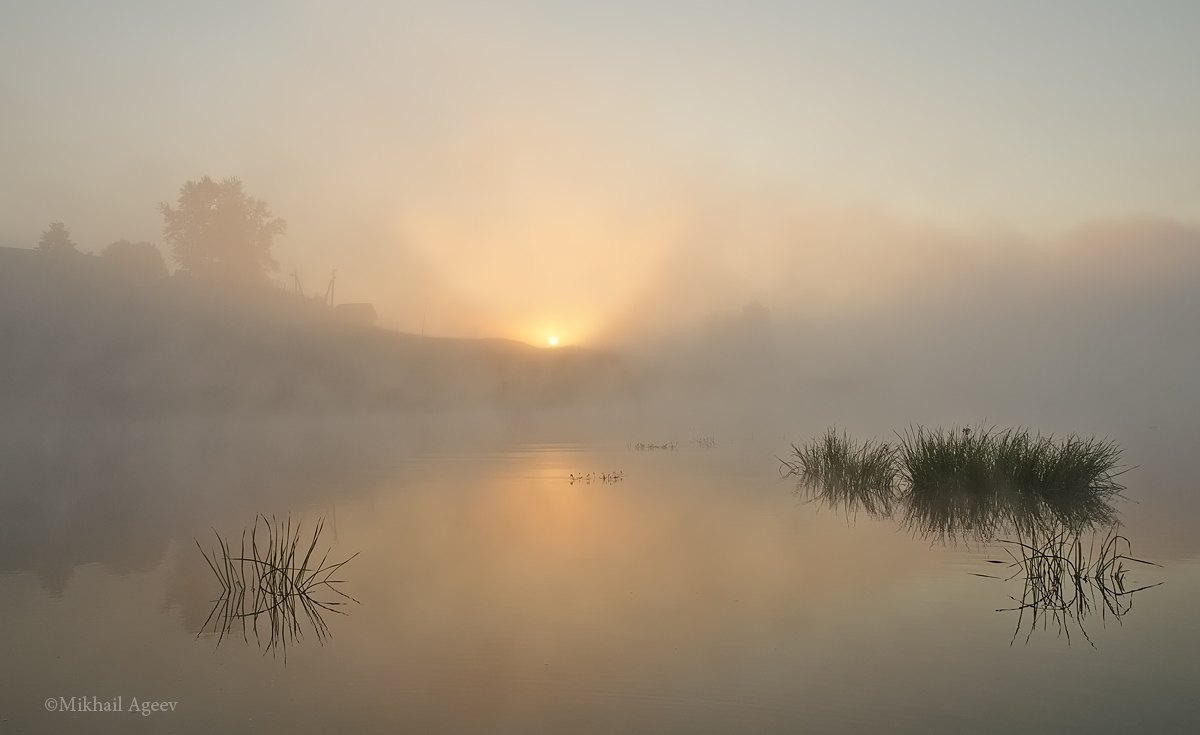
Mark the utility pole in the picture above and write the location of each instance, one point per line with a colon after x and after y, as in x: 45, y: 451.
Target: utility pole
x: 329, y: 291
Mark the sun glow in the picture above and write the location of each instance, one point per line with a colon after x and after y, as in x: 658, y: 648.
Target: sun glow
x: 553, y: 341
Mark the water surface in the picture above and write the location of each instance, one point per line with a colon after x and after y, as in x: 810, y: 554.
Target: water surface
x: 496, y: 592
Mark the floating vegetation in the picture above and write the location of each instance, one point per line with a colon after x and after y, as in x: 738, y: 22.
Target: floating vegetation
x: 1038, y: 497
x: 846, y: 475
x: 607, y: 478
x: 272, y: 575
x: 668, y: 447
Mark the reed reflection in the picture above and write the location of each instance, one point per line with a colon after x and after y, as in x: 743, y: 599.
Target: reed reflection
x: 1049, y: 504
x: 273, y: 575
x: 1065, y: 582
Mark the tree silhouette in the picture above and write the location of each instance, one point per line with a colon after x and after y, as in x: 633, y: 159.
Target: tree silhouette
x: 56, y: 240
x: 218, y: 231
x: 139, y: 258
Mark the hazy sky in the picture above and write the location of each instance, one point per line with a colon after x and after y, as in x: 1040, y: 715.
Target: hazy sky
x: 527, y: 168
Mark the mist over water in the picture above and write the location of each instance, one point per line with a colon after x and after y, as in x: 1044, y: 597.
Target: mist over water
x: 537, y: 537
x: 494, y: 591
x: 273, y: 269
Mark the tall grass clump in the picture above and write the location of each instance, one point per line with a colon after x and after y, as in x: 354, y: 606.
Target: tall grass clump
x: 273, y: 575
x: 1053, y: 498
x: 844, y: 474
x: 1071, y: 482
x: 964, y: 483
x: 949, y: 488
x: 960, y: 482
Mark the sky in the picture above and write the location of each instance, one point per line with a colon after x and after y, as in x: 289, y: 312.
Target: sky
x: 592, y: 170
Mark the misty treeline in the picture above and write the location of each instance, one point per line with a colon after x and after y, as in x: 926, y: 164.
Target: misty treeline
x: 140, y: 258
x: 1102, y: 329
x: 114, y: 335
x: 216, y: 232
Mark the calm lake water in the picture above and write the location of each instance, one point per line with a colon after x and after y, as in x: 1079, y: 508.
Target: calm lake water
x: 693, y: 592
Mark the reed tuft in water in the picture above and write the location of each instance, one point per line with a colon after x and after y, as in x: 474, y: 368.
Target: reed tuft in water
x: 845, y: 474
x: 275, y: 575
x: 978, y: 483
x: 964, y: 483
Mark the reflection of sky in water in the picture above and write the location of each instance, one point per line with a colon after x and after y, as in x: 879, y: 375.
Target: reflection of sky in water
x: 696, y: 595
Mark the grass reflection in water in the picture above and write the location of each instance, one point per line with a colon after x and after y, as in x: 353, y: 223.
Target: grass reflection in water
x: 1048, y: 503
x: 1064, y: 582
x: 274, y: 576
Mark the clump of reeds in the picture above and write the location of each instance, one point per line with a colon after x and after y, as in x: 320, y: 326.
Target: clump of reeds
x: 977, y: 483
x: 273, y: 573
x: 1065, y: 581
x: 844, y: 474
x: 981, y: 484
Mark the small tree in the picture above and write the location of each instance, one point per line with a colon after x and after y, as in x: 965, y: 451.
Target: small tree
x: 56, y: 240
x: 217, y: 231
x: 139, y: 258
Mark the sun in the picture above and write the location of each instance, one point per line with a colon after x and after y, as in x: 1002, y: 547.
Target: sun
x: 553, y: 341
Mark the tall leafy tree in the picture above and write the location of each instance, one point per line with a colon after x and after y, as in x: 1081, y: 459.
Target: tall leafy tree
x: 218, y: 231
x: 56, y: 240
